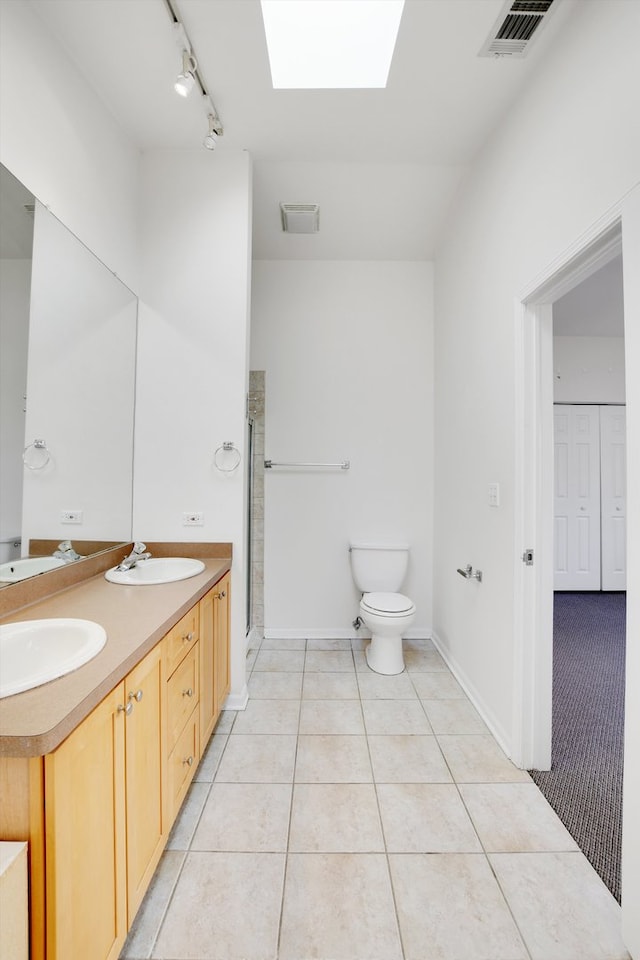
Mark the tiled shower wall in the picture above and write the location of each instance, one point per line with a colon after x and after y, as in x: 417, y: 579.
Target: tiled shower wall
x: 256, y: 412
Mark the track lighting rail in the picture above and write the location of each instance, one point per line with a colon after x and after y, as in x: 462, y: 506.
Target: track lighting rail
x: 190, y: 58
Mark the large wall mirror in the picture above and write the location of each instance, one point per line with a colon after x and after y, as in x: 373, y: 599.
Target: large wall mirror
x: 67, y: 391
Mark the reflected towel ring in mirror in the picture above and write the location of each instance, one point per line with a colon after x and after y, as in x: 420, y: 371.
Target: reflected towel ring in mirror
x: 227, y: 457
x: 36, y: 455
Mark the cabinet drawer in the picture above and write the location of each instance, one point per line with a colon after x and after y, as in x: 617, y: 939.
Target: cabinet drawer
x: 180, y: 640
x: 182, y: 695
x: 182, y: 764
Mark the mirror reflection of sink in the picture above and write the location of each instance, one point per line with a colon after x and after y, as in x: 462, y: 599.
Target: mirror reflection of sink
x: 156, y: 570
x: 15, y: 570
x: 35, y: 651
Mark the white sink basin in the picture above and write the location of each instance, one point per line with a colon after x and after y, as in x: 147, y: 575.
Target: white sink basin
x: 16, y: 570
x: 36, y: 651
x: 156, y: 570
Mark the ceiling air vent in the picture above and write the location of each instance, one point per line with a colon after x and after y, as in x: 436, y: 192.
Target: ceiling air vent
x: 515, y: 28
x: 300, y: 217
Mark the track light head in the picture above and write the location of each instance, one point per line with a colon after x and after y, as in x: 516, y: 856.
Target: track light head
x: 211, y: 137
x: 186, y: 79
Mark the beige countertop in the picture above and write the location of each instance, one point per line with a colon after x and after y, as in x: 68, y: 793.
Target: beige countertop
x: 135, y: 618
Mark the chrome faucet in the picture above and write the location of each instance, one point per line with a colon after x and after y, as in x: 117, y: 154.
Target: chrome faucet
x: 66, y: 552
x: 138, y: 553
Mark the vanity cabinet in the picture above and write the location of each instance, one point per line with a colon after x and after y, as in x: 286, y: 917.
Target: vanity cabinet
x: 182, y: 657
x: 103, y: 817
x: 214, y: 656
x: 98, y: 809
x: 86, y: 911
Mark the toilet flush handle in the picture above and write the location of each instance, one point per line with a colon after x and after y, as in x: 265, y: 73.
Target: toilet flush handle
x: 468, y: 573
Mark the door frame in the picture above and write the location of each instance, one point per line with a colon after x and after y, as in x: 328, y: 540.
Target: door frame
x: 533, y: 488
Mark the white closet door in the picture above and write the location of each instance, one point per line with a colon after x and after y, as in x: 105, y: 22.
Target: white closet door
x: 577, y: 497
x: 613, y: 496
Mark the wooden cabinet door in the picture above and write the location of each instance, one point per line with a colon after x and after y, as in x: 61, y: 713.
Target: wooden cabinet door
x: 145, y: 770
x: 207, y: 698
x: 85, y: 837
x: 221, y: 673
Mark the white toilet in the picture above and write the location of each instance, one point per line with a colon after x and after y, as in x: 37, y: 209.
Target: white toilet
x: 379, y: 571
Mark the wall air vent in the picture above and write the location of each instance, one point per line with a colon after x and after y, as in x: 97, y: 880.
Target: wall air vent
x: 513, y: 31
x: 300, y: 217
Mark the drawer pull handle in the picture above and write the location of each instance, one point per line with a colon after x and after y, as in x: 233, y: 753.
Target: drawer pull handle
x: 188, y: 692
x: 188, y: 637
x: 188, y: 761
x: 137, y: 696
x: 126, y: 710
x: 221, y: 595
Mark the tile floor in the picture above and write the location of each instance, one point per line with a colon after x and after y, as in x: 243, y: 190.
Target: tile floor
x: 349, y: 816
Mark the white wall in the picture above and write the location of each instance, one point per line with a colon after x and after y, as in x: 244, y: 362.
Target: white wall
x: 347, y: 350
x: 192, y: 355
x: 631, y: 786
x: 60, y: 141
x: 566, y: 155
x: 15, y: 283
x: 588, y: 370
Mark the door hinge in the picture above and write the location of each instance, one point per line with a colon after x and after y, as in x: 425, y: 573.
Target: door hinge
x: 527, y: 558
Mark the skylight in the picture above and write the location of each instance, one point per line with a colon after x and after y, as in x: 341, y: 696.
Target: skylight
x: 321, y: 44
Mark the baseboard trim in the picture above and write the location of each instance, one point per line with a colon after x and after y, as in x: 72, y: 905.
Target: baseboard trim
x: 237, y: 701
x: 334, y: 633
x: 496, y: 728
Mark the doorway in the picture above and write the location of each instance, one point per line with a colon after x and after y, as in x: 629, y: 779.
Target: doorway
x: 534, y: 581
x: 540, y: 374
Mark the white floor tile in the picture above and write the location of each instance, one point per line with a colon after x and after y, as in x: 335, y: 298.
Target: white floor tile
x: 329, y: 661
x: 454, y: 716
x: 451, y: 908
x: 395, y: 716
x: 346, y: 815
x: 563, y: 909
x: 338, y: 907
x: 374, y: 686
x: 404, y: 758
x: 330, y: 686
x: 258, y: 759
x: 479, y: 759
x: 268, y: 717
x: 333, y: 759
x: 335, y: 818
x: 275, y: 685
x: 425, y: 818
x: 514, y: 818
x: 245, y: 817
x: 331, y: 716
x: 226, y: 906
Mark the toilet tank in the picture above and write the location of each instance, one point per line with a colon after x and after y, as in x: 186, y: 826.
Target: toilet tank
x: 379, y: 566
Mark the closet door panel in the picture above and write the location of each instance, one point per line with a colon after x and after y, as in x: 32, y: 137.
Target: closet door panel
x: 613, y: 476
x: 577, y: 497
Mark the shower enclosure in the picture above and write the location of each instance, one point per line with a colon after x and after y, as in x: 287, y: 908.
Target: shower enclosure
x: 255, y: 505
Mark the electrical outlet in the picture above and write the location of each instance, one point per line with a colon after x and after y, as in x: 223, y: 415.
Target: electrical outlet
x: 494, y: 494
x: 193, y: 519
x: 71, y: 516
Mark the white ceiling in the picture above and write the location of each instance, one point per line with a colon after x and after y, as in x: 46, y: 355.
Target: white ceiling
x: 383, y: 164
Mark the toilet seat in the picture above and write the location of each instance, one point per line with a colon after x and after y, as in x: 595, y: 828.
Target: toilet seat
x: 388, y: 604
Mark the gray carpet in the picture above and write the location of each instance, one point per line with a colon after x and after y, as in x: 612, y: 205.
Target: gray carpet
x: 584, y: 786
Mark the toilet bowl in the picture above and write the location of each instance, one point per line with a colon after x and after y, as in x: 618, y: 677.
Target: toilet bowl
x: 379, y: 570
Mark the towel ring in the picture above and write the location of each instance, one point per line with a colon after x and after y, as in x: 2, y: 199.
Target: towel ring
x: 219, y: 457
x: 35, y: 455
